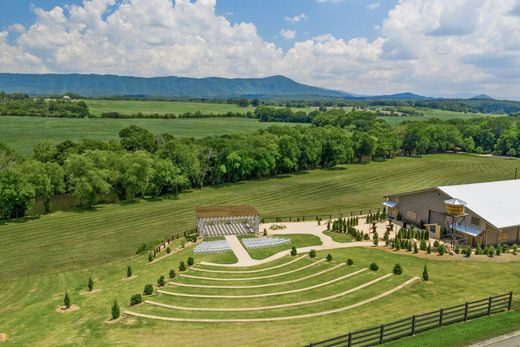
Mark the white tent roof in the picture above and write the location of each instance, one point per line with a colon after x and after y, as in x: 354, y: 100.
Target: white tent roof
x: 496, y: 202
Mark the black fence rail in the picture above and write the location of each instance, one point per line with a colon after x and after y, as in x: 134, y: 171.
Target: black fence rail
x: 419, y: 323
x: 309, y: 217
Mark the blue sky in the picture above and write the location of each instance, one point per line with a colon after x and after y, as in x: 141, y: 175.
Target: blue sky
x: 429, y: 47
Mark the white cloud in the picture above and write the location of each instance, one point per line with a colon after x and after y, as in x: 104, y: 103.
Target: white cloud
x: 288, y: 34
x: 296, y: 19
x: 434, y: 47
x: 373, y: 5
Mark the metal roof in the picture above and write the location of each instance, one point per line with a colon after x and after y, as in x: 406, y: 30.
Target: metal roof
x: 468, y: 229
x: 226, y: 211
x: 390, y: 203
x: 496, y: 202
x: 455, y: 202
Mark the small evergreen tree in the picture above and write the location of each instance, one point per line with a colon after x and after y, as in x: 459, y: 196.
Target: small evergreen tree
x: 468, y: 252
x: 440, y: 249
x: 148, y: 289
x: 190, y: 261
x: 375, y: 239
x: 136, y: 299
x: 409, y: 245
x: 397, y: 244
x: 150, y: 256
x: 168, y: 250
x: 182, y: 266
x: 415, y: 248
x: 515, y: 248
x: 128, y: 271
x: 115, y: 310
x: 172, y: 273
x: 329, y: 257
x: 436, y: 243
x: 350, y: 261
x: 312, y: 253
x: 293, y: 250
x: 66, y: 300
x: 374, y: 267
x: 429, y: 248
x: 398, y: 270
x: 425, y: 275
x: 422, y: 245
x: 161, y: 282
x: 90, y: 284
x: 328, y: 225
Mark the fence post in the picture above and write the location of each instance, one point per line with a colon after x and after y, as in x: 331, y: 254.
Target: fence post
x: 510, y: 301
x: 381, y: 334
x: 489, y: 305
x: 413, y: 325
x: 440, y: 317
x: 466, y: 311
x: 349, y: 339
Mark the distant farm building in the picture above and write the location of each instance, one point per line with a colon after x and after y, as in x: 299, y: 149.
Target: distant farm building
x: 66, y: 98
x: 481, y: 213
x: 227, y: 220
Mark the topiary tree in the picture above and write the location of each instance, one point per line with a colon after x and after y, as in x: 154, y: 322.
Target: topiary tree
x: 190, y: 261
x: 398, y: 270
x: 312, y: 253
x: 182, y: 266
x: 425, y: 275
x: 373, y: 267
x: 90, y: 284
x: 161, y: 282
x: 115, y: 310
x: 329, y: 257
x: 148, y: 289
x: 128, y: 271
x: 66, y: 300
x: 293, y: 250
x: 375, y: 239
x: 136, y: 299
x: 172, y: 273
x: 350, y: 261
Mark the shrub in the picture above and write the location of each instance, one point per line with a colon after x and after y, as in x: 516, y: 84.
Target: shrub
x: 328, y: 225
x: 148, y: 289
x: 172, y: 273
x: 293, y: 250
x: 66, y: 300
x: 478, y: 251
x: 375, y: 239
x: 398, y: 270
x: 168, y: 250
x: 490, y: 251
x: 128, y: 271
x: 265, y: 232
x: 190, y: 261
x: 457, y: 249
x: 366, y: 237
x: 422, y: 245
x: 440, y: 249
x: 141, y: 249
x: 115, y: 310
x: 182, y: 266
x: 467, y: 252
x: 515, y: 248
x: 183, y: 242
x: 415, y: 248
x: 90, y: 284
x: 136, y: 299
x: 350, y: 261
x: 150, y: 256
x: 312, y: 253
x: 425, y: 275
x: 397, y: 244
x: 436, y: 243
x: 373, y: 267
x: 161, y: 282
x: 499, y: 249
x: 329, y: 257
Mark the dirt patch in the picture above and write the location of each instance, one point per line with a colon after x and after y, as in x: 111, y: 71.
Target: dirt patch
x: 3, y: 337
x: 113, y: 321
x: 129, y: 278
x: 63, y: 309
x: 504, y: 258
x: 86, y: 292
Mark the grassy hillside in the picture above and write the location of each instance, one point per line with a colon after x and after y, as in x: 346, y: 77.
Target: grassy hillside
x: 22, y: 133
x: 71, y: 240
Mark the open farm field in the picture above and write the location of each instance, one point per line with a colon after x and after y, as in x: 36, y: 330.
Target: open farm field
x: 430, y: 113
x: 21, y: 133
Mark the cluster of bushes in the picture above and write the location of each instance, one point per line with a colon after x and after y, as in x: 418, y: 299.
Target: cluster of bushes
x: 196, y: 114
x: 412, y: 233
x: 376, y: 217
x: 342, y: 225
x: 39, y: 107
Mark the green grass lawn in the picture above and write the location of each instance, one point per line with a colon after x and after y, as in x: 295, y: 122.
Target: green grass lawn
x: 75, y: 239
x: 297, y: 240
x: 22, y: 133
x: 339, y: 237
x: 429, y: 114
x: 97, y: 107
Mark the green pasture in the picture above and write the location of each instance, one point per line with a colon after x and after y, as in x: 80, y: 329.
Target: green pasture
x: 430, y: 113
x: 22, y: 133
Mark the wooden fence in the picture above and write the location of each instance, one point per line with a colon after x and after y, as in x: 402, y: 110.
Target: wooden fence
x: 310, y: 217
x: 419, y: 323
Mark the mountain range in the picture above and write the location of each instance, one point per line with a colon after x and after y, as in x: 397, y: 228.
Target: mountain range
x: 91, y: 85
